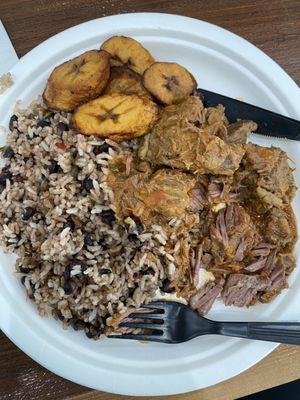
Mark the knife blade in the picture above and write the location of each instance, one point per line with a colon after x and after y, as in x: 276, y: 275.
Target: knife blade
x: 269, y: 123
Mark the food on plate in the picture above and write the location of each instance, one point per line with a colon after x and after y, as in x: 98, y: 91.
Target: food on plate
x: 77, y: 81
x: 125, y: 81
x: 186, y: 137
x: 118, y: 117
x: 169, y: 82
x: 127, y: 52
x: 150, y: 202
x: 267, y: 175
x: 6, y: 81
x: 152, y: 196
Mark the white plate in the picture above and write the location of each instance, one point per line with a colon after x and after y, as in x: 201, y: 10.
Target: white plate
x: 221, y: 62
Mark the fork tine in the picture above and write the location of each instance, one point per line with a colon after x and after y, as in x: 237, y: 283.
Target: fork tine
x: 149, y: 338
x: 146, y: 316
x: 157, y: 305
x: 141, y: 325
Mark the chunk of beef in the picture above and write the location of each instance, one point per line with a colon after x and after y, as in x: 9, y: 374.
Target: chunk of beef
x: 222, y: 190
x: 278, y: 279
x: 261, y: 250
x: 203, y: 300
x: 238, y: 131
x: 167, y: 192
x: 197, y: 264
x: 240, y: 290
x: 184, y: 139
x: 164, y: 194
x: 262, y: 257
x: 215, y: 115
x: 220, y: 158
x: 278, y: 230
x: 216, y: 120
x: 269, y: 175
x: 287, y: 260
x: 256, y: 265
x: 198, y: 195
x: 232, y: 234
x: 278, y: 271
x: 214, y: 192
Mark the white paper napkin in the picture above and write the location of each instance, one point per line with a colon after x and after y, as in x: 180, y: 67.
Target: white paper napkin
x: 8, y: 56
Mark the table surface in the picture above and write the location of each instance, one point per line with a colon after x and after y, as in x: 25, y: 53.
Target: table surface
x: 274, y: 27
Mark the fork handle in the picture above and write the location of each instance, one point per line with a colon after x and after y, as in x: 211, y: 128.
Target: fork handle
x: 279, y: 332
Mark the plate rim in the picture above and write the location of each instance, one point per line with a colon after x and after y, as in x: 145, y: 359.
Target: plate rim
x: 157, y: 16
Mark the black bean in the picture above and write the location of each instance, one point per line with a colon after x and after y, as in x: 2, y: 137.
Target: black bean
x: 88, y: 240
x: 103, y: 148
x: 108, y: 216
x: 23, y: 280
x: 104, y: 246
x: 60, y: 316
x: 53, y: 167
x: 93, y: 331
x: 127, y: 227
x: 73, y: 263
x: 13, y: 119
x: 69, y: 224
x: 138, y: 225
x: 87, y: 184
x: 68, y: 287
x: 5, y: 176
x: 131, y: 291
x: 24, y: 270
x: 78, y: 325
x: 43, y: 122
x: 28, y: 137
x: 67, y: 272
x: 79, y: 262
x: 105, y: 271
x: 62, y: 127
x: 89, y: 334
x: 136, y: 275
x: 28, y: 213
x: 8, y: 152
x: 132, y: 237
x: 149, y: 271
x: 75, y: 153
x: 166, y: 286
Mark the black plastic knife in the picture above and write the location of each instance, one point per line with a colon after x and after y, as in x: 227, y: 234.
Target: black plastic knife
x: 269, y: 123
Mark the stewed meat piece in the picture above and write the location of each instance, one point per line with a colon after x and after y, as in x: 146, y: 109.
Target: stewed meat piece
x: 184, y: 138
x: 232, y: 234
x: 240, y: 290
x: 281, y: 267
x: 203, y: 300
x: 278, y: 228
x: 238, y: 131
x: 152, y: 197
x: 268, y: 176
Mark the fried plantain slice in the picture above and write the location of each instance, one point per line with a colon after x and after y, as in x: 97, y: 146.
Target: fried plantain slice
x: 128, y: 52
x: 125, y: 81
x: 78, y: 80
x: 118, y: 117
x: 169, y: 82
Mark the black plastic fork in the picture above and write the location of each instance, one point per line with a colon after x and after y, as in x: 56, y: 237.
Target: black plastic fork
x: 173, y: 322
